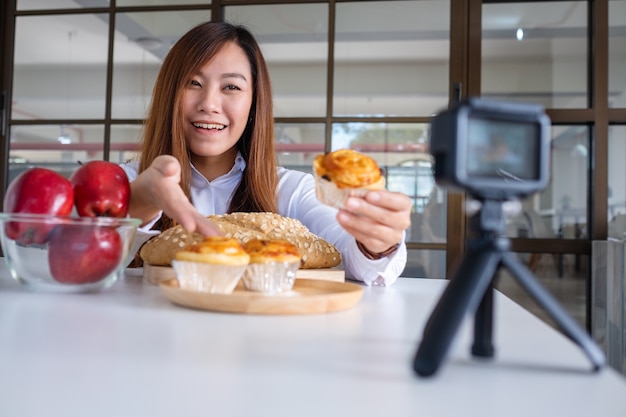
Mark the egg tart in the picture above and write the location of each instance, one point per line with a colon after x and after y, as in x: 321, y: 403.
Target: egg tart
x: 273, y: 265
x: 344, y: 173
x: 213, y: 265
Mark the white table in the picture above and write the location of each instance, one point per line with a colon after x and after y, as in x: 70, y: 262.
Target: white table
x: 130, y: 352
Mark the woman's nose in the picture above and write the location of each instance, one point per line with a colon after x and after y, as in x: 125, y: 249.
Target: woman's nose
x: 210, y: 101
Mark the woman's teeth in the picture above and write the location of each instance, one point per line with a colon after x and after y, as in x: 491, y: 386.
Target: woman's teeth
x: 209, y: 126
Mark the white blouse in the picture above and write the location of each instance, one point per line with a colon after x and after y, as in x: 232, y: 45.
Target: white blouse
x: 296, y: 199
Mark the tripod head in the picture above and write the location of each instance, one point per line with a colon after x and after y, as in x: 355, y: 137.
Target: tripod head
x: 487, y: 216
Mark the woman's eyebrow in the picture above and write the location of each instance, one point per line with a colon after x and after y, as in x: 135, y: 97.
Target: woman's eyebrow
x: 235, y: 75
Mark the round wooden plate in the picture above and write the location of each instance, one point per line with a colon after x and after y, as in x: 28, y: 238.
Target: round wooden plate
x: 309, y: 296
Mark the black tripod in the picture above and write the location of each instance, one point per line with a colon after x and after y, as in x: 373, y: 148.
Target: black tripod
x: 471, y: 290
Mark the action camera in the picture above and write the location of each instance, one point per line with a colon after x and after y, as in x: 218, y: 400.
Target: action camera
x: 491, y: 149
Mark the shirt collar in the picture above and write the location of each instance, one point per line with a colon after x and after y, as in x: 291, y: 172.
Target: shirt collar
x: 240, y: 163
x: 238, y: 167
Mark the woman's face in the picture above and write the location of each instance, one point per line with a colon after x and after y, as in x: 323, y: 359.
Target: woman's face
x: 217, y: 102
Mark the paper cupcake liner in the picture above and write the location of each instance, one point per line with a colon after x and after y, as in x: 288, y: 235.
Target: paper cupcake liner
x: 328, y: 193
x: 210, y: 278
x: 270, y: 278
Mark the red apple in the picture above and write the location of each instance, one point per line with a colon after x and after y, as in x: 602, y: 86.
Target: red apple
x: 101, y: 188
x: 83, y: 254
x: 37, y: 191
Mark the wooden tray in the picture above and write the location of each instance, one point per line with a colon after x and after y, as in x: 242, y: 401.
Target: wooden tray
x: 309, y: 296
x: 156, y: 274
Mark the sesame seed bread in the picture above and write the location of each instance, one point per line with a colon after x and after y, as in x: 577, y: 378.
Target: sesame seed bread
x: 316, y: 252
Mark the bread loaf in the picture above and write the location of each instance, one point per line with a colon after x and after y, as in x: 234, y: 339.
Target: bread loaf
x: 315, y: 251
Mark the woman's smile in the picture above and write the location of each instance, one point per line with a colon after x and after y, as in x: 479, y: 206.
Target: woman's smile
x: 209, y: 126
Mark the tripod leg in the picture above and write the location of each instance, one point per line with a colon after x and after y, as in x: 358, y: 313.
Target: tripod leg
x: 483, y: 327
x: 463, y: 293
x: 569, y: 327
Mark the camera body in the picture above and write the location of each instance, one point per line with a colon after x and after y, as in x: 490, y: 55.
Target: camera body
x: 491, y: 149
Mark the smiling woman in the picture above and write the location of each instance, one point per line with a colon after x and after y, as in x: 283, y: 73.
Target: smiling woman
x: 196, y: 86
x: 208, y: 148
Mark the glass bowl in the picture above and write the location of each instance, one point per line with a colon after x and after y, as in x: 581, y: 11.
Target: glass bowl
x: 66, y: 254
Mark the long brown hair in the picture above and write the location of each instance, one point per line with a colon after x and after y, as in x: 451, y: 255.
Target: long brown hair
x: 163, y: 132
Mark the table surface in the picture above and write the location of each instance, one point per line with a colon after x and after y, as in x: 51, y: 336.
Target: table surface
x: 129, y: 351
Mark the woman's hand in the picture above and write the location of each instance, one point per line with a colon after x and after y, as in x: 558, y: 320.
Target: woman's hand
x: 377, y: 220
x: 158, y: 189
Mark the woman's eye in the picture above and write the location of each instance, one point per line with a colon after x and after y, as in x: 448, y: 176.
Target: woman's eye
x: 195, y: 83
x: 232, y: 87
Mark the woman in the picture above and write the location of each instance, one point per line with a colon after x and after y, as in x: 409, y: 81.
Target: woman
x: 208, y: 148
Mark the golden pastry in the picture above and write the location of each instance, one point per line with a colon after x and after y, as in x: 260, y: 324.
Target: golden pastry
x: 271, y: 250
x: 214, y: 265
x: 214, y: 250
x: 273, y: 265
x: 345, y: 173
x: 347, y: 168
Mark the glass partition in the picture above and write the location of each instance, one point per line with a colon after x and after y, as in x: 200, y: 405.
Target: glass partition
x: 58, y: 147
x: 297, y: 144
x: 141, y: 44
x: 560, y: 210
x: 294, y: 41
x: 539, y: 55
x: 124, y: 142
x: 159, y: 2
x: 61, y: 4
x: 617, y: 182
x: 60, y: 67
x: 391, y: 58
x: 617, y: 53
x: 424, y: 263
